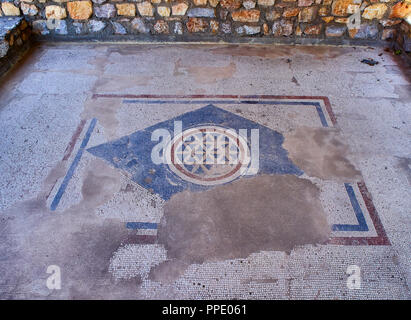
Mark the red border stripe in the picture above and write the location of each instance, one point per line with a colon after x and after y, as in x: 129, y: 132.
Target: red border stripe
x: 72, y: 143
x: 381, y: 239
x: 221, y: 96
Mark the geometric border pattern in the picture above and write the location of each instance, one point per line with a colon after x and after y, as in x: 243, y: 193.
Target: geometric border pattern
x: 380, y: 239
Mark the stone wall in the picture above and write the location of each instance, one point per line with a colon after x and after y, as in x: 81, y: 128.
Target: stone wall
x: 14, y: 41
x: 300, y: 21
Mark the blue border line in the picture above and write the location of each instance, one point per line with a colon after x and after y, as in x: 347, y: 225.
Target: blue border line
x: 321, y: 115
x: 73, y: 166
x: 141, y: 225
x: 305, y: 103
x: 362, y: 224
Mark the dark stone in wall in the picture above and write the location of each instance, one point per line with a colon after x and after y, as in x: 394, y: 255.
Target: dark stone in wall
x: 367, y: 31
x: 335, y: 30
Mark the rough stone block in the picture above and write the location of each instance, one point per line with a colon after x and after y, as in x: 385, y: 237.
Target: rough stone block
x: 178, y: 28
x: 389, y: 22
x: 340, y: 8
x: 145, y: 8
x: 118, y: 28
x: 61, y: 27
x: 335, y: 31
x: 291, y: 12
x: 139, y: 25
x: 307, y: 14
x: 250, y: 30
x: 163, y: 11
x: 374, y: 11
x: 305, y: 3
x: 40, y: 27
x: 200, y: 2
x: 196, y: 25
x: 4, y: 48
x: 231, y: 4
x: 9, y: 9
x: 214, y: 25
x: 282, y: 28
x: 179, y: 9
x: 407, y: 45
x: 248, y: 4
x: 28, y: 9
x: 341, y: 20
x: 272, y: 15
x: 126, y: 9
x: 266, y: 29
x: 105, y: 11
x: 388, y: 34
x: 327, y: 19
x: 95, y: 25
x: 223, y: 14
x: 323, y: 11
x: 226, y: 28
x: 246, y: 15
x: 266, y: 3
x: 79, y: 27
x: 80, y: 10
x: 55, y: 12
x: 400, y: 10
x: 161, y: 27
x: 23, y: 25
x: 298, y: 32
x: 313, y: 30
x: 201, y: 13
x: 366, y: 31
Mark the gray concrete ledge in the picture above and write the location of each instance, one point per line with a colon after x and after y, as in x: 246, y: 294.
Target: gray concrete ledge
x: 215, y: 39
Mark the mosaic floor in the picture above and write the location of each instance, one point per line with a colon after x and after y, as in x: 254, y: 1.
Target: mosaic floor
x: 200, y: 195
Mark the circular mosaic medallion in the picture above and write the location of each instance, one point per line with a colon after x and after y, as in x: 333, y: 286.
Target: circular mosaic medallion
x: 208, y: 155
